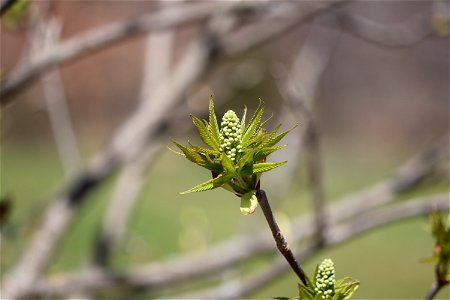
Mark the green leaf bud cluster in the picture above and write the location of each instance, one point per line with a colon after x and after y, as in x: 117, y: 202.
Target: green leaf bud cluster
x: 236, y: 153
x: 440, y: 229
x: 325, y: 279
x: 230, y: 135
x: 324, y: 286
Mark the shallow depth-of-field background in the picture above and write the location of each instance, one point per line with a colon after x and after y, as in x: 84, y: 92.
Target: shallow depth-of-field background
x: 376, y: 106
x: 386, y: 261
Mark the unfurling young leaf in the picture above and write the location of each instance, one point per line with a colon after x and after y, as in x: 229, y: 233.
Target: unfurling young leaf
x: 249, y: 202
x: 264, y: 167
x: 237, y: 154
x: 440, y: 229
x: 324, y: 286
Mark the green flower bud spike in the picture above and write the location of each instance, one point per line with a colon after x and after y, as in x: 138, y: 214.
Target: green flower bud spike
x: 325, y: 286
x: 325, y: 279
x: 236, y: 155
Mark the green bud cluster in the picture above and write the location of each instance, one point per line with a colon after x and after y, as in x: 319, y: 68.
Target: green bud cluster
x: 325, y: 279
x: 230, y: 135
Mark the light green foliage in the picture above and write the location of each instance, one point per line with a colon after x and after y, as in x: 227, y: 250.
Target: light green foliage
x: 325, y: 286
x: 325, y: 279
x: 249, y: 202
x: 16, y: 13
x: 236, y: 155
x: 440, y: 229
x: 230, y: 135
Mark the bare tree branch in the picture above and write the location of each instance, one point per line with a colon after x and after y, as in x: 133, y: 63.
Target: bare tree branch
x: 47, y: 34
x: 281, y: 18
x: 244, y: 246
x: 435, y: 288
x: 401, y: 34
x: 113, y: 33
x: 278, y: 236
x: 102, y: 37
x: 336, y: 234
x: 128, y: 142
x: 157, y: 60
x: 415, y: 170
x: 298, y: 92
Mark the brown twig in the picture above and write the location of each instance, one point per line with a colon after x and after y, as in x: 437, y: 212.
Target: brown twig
x: 281, y: 242
x: 130, y: 140
x: 435, y: 288
x: 439, y: 283
x: 242, y: 247
x: 337, y: 234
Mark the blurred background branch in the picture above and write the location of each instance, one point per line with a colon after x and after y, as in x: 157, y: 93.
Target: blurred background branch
x: 243, y: 247
x: 334, y: 236
x: 307, y: 60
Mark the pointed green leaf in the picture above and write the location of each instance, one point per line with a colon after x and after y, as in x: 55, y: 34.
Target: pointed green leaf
x: 264, y: 152
x: 254, y: 141
x: 264, y: 167
x: 210, y: 184
x: 249, y: 202
x: 270, y: 135
x: 318, y: 297
x: 222, y: 179
x: 253, y: 124
x: 235, y: 188
x: 345, y: 288
x: 176, y: 152
x: 311, y: 284
x: 246, y: 159
x: 205, y: 151
x: 209, y: 158
x: 228, y: 165
x: 213, y: 125
x: 265, y: 121
x: 273, y: 140
x: 190, y: 154
x: 430, y: 260
x: 244, y: 115
x: 305, y: 293
x: 204, y: 133
x: 205, y: 186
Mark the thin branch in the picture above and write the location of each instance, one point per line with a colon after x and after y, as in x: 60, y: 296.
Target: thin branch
x: 106, y: 161
x: 435, y: 288
x: 157, y: 60
x: 400, y: 34
x: 337, y: 234
x: 298, y: 91
x: 280, y: 241
x: 102, y: 37
x: 47, y: 34
x: 129, y: 141
x: 99, y: 38
x: 242, y: 247
x: 280, y: 19
x: 313, y: 162
x: 374, y: 218
x: 407, y: 176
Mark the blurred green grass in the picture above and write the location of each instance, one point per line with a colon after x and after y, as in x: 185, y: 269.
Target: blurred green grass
x: 386, y: 260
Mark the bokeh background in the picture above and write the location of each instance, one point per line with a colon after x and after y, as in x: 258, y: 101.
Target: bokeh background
x: 375, y: 105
